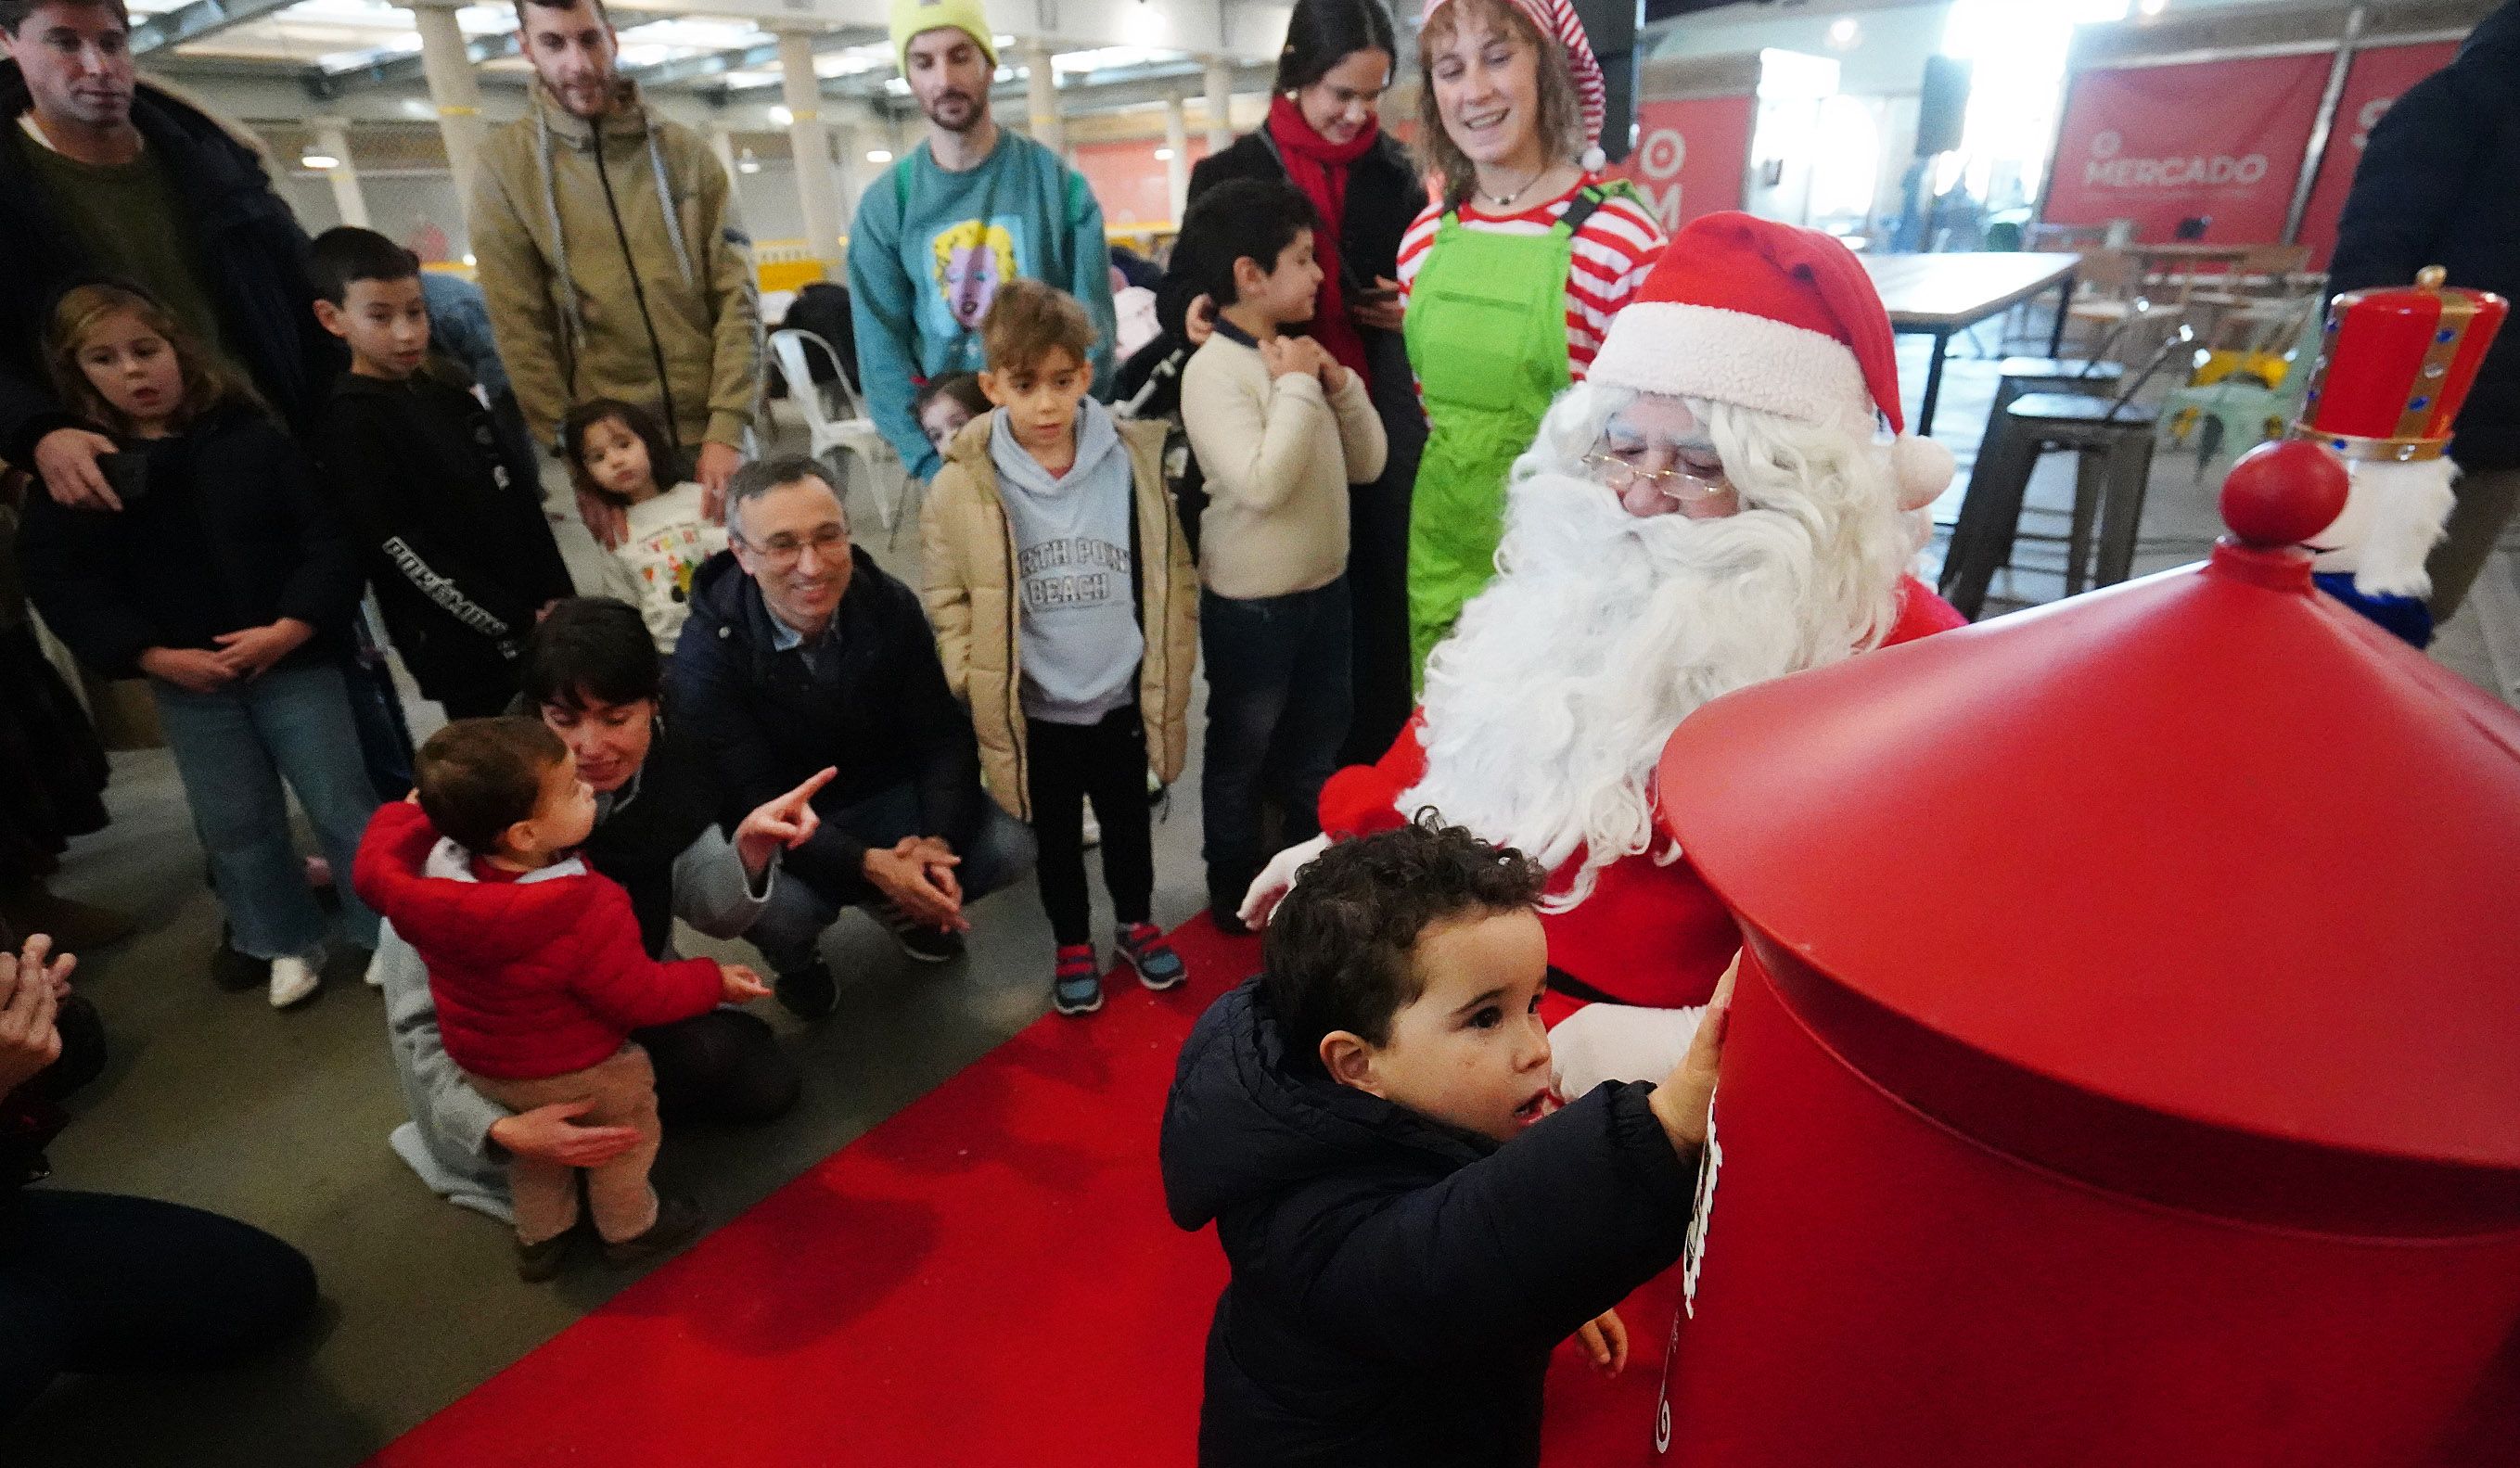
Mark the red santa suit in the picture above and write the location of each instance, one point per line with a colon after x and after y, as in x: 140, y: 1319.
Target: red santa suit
x: 1651, y: 934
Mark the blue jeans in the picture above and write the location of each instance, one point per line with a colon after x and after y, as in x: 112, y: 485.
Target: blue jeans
x: 791, y: 926
x: 1281, y: 687
x: 234, y: 748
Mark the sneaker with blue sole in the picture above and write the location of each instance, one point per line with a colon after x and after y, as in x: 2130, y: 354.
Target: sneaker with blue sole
x: 1142, y: 947
x: 1076, y: 988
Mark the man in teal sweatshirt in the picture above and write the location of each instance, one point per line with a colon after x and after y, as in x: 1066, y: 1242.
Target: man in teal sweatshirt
x: 971, y: 208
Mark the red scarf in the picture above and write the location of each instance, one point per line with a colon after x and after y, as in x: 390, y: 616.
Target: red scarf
x: 1317, y: 167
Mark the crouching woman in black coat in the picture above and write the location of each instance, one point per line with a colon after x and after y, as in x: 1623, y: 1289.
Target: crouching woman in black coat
x: 1413, y: 1221
x: 591, y: 672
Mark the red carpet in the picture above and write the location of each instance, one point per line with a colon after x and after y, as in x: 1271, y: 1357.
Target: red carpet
x: 988, y: 1277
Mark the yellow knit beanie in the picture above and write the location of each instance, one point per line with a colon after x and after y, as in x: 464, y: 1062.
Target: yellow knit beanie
x: 912, y: 17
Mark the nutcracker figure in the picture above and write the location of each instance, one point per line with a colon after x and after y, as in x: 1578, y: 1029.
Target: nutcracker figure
x: 2393, y: 367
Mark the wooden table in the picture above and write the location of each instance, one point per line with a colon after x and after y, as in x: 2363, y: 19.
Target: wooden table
x: 1937, y: 295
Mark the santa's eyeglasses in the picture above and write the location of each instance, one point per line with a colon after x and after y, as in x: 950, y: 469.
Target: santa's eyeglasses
x: 1692, y: 493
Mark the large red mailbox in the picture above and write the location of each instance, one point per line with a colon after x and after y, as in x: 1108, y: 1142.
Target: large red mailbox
x: 2126, y: 1068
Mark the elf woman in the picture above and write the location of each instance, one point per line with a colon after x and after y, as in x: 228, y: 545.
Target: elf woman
x: 1508, y: 281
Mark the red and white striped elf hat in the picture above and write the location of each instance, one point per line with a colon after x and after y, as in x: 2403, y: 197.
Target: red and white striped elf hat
x: 1782, y: 320
x: 1557, y: 18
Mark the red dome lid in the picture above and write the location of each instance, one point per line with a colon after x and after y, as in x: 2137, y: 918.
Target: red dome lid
x: 2200, y: 888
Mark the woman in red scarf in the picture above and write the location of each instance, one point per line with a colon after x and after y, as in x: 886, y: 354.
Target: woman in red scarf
x: 1323, y: 137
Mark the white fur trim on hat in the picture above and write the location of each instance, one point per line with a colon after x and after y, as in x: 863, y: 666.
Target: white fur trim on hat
x: 1681, y: 350
x: 1923, y: 469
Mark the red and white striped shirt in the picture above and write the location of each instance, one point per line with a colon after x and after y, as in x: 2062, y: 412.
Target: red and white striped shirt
x: 1612, y: 252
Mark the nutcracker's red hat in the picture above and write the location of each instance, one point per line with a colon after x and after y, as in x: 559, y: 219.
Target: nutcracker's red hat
x: 1769, y: 317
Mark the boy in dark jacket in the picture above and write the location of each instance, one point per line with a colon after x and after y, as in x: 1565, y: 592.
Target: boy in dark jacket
x: 1413, y: 1221
x: 447, y: 515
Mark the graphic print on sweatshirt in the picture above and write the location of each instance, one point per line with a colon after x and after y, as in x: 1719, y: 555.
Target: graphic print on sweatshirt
x: 966, y: 262
x: 1072, y: 573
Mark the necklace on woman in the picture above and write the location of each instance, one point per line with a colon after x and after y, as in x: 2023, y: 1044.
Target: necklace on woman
x: 1508, y: 201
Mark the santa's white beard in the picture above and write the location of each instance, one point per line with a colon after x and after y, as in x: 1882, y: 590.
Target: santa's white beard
x: 1549, y: 707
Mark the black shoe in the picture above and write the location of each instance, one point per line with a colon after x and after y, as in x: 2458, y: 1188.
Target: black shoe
x: 808, y: 992
x: 1229, y: 922
x: 234, y: 971
x: 679, y: 1221
x: 537, y: 1263
x: 926, y: 943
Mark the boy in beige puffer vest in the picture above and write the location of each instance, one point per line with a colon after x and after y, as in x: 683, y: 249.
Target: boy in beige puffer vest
x: 1066, y: 614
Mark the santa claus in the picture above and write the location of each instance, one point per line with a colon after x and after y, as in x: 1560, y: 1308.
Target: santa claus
x: 1710, y: 509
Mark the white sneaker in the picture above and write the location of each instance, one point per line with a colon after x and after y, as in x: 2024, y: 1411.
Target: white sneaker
x: 292, y: 980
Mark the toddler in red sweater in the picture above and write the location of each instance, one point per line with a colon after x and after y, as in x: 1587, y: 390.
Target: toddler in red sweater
x: 535, y: 964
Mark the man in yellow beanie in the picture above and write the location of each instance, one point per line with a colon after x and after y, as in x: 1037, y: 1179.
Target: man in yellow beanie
x: 971, y: 208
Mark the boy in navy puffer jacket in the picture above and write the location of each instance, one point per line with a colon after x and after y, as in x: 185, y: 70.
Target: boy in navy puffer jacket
x: 1413, y: 1221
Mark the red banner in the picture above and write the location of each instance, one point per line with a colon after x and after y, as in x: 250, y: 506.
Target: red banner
x: 2377, y: 77
x: 2219, y: 140
x: 1690, y: 155
x: 1129, y: 182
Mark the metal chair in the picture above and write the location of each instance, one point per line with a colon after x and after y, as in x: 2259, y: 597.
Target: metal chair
x: 851, y: 434
x: 2112, y: 441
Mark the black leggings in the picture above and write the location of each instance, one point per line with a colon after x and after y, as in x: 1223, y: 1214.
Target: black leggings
x: 1107, y: 761
x: 94, y: 1282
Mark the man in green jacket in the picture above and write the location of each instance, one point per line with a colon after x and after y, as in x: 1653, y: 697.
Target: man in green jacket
x: 971, y: 208
x: 613, y: 258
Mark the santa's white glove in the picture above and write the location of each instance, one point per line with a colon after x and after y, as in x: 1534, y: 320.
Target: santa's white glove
x: 1276, y: 880
x: 1619, y: 1042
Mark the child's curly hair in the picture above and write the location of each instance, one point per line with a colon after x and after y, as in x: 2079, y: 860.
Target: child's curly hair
x: 1337, y: 955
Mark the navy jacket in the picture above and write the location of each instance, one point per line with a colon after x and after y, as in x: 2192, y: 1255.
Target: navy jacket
x: 265, y: 300
x: 2439, y: 184
x: 1398, y: 1285
x: 229, y: 534
x: 872, y: 703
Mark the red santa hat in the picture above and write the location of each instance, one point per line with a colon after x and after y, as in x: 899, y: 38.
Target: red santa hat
x: 1779, y: 320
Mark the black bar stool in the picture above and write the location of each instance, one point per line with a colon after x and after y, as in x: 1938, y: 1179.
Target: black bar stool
x: 2112, y: 440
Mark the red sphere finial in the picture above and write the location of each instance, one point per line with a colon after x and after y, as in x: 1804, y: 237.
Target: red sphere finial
x: 2281, y: 493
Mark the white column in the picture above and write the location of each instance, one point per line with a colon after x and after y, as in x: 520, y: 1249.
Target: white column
x: 453, y: 87
x: 809, y: 142
x: 333, y: 139
x: 1220, y: 105
x: 1041, y: 96
x: 849, y: 144
x: 1177, y: 154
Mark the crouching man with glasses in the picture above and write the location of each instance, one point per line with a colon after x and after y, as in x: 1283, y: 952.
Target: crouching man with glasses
x: 802, y: 654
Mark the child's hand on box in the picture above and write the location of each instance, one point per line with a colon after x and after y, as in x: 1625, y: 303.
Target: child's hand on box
x: 1604, y: 1339
x: 1680, y: 1102
x: 741, y: 984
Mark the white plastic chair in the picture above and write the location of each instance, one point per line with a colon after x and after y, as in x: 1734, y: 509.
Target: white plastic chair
x: 852, y: 433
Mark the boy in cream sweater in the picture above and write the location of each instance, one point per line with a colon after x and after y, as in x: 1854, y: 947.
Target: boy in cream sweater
x: 1280, y: 430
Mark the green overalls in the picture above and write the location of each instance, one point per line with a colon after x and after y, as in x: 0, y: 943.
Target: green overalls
x: 1486, y: 331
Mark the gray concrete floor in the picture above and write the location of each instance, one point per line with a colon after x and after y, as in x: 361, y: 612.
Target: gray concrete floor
x: 281, y: 1119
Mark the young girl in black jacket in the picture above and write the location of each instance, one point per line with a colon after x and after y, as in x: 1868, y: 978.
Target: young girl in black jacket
x: 225, y: 582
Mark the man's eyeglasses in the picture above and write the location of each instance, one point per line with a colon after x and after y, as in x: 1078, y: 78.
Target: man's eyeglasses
x: 1687, y: 489
x: 783, y: 551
